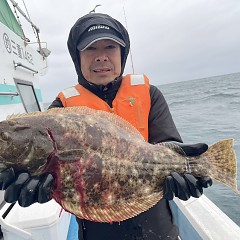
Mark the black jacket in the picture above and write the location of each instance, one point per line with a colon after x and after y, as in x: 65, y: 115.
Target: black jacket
x: 156, y: 223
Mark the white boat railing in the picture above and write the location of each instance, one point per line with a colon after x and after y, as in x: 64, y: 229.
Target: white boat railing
x: 18, y: 64
x: 200, y: 218
x: 12, y: 94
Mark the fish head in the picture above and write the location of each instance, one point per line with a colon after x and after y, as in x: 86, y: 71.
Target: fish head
x: 13, y: 134
x: 22, y: 143
x: 14, y: 139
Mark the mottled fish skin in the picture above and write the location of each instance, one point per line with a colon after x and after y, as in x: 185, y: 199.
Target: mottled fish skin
x: 104, y: 169
x: 24, y: 147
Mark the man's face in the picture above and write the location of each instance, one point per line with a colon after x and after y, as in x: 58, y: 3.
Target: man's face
x: 101, y: 62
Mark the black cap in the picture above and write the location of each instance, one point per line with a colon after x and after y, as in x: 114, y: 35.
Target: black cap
x: 99, y: 32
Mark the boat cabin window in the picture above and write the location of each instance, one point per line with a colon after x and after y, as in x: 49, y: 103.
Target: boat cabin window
x: 28, y: 96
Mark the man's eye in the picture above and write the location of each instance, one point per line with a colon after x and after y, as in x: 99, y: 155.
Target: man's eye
x: 90, y: 48
x: 111, y: 47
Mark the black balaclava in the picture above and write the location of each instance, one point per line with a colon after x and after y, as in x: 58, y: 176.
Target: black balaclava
x: 82, y: 25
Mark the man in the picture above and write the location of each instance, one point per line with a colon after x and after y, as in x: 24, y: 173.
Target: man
x: 99, y: 45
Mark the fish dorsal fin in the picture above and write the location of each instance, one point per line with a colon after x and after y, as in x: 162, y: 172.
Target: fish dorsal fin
x: 115, y: 119
x: 121, y: 122
x: 173, y: 146
x: 22, y: 115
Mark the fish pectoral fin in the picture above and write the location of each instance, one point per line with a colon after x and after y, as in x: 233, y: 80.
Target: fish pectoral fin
x: 70, y: 155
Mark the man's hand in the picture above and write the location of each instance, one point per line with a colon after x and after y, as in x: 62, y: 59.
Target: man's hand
x: 24, y: 188
x: 187, y: 185
x: 192, y: 150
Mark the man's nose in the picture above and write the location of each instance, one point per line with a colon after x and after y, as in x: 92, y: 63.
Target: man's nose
x: 101, y: 57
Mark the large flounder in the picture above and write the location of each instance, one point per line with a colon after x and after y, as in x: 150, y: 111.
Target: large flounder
x: 104, y: 169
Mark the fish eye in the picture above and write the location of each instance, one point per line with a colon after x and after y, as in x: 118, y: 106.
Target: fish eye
x: 4, y: 136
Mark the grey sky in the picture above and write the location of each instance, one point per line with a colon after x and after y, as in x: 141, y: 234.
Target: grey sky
x: 171, y: 40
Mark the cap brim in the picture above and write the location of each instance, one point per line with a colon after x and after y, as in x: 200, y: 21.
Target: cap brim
x: 91, y: 39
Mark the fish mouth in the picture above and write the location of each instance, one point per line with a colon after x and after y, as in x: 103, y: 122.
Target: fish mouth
x: 3, y: 166
x: 4, y: 146
x: 20, y: 155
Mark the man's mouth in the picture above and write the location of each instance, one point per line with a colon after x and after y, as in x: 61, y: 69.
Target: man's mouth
x: 101, y: 70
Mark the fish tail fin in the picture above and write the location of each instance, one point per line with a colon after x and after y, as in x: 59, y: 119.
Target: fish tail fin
x: 223, y: 163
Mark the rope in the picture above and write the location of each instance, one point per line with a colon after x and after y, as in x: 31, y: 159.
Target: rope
x: 35, y: 31
x: 18, y: 19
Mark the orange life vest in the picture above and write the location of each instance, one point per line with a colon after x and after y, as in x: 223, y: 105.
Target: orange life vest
x: 132, y: 101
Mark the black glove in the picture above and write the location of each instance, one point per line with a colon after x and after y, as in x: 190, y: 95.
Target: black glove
x: 24, y: 188
x: 192, y: 149
x: 187, y: 185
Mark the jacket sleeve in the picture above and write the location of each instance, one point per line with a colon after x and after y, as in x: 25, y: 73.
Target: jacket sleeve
x: 160, y: 123
x: 56, y: 103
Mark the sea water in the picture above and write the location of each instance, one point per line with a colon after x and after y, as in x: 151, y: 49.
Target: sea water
x: 208, y: 110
